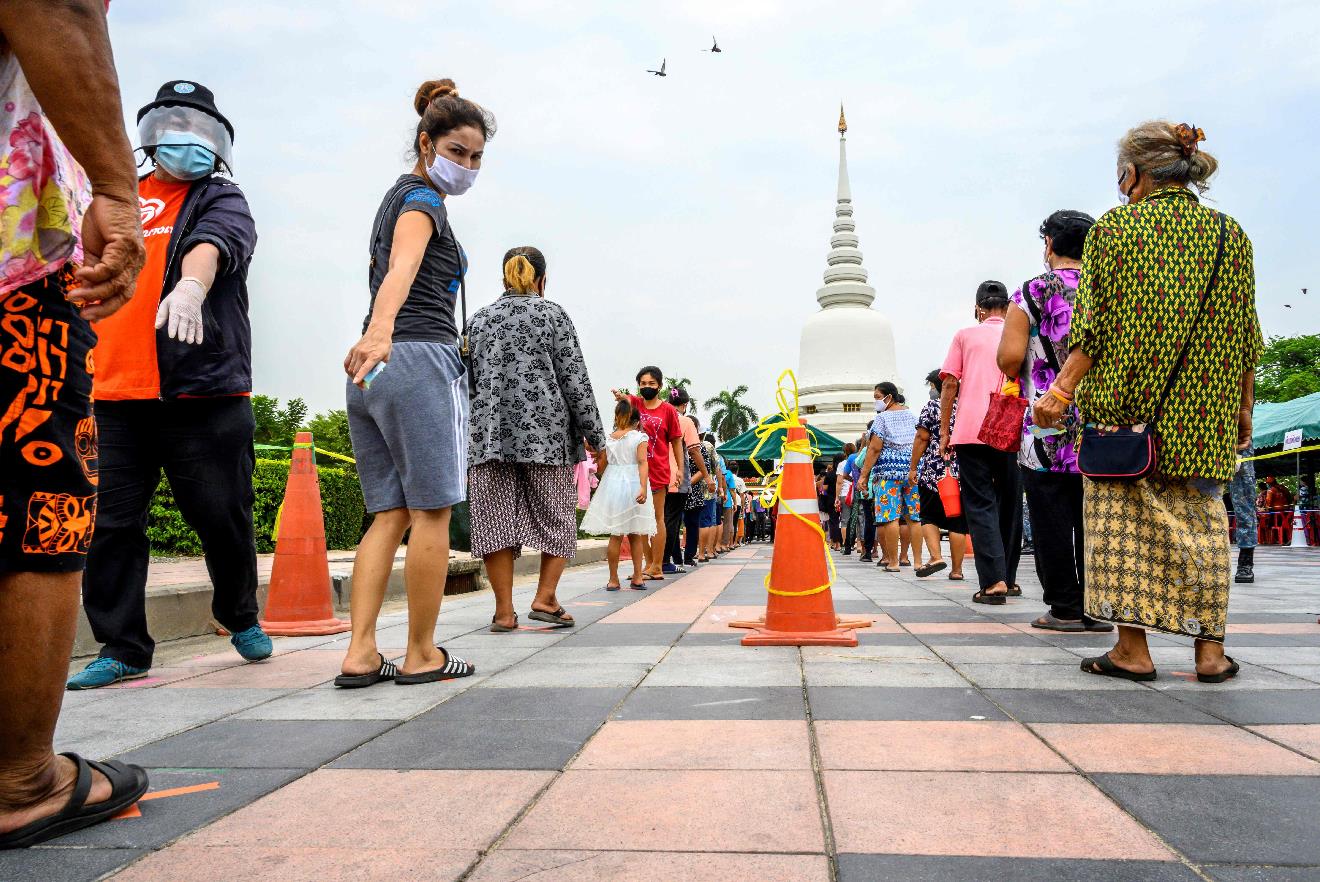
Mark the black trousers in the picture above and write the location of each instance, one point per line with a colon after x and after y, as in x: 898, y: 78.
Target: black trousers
x: 992, y: 503
x: 1055, y: 500
x: 205, y: 448
x: 867, y: 508
x: 674, y: 505
x: 692, y: 526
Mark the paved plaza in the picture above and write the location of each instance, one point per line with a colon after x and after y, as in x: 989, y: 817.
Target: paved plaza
x: 955, y: 742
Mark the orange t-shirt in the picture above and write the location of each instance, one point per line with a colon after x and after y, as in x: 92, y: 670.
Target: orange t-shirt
x: 125, y: 354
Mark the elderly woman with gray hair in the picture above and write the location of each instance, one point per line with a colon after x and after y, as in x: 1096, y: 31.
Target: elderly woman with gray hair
x: 532, y: 406
x: 1164, y: 343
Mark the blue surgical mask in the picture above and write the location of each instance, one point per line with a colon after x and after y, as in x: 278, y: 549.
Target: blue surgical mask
x: 185, y: 161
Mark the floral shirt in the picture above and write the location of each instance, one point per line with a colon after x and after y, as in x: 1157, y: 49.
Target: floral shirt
x: 932, y: 467
x: 1047, y: 301
x: 1143, y: 270
x: 45, y: 190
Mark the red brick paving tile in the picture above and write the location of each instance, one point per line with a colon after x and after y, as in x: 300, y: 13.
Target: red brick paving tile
x: 960, y: 745
x: 1305, y: 738
x: 295, y: 864
x: 308, y: 667
x: 698, y: 744
x: 745, y: 811
x: 380, y: 810
x: 992, y: 814
x: 631, y: 866
x: 1172, y: 749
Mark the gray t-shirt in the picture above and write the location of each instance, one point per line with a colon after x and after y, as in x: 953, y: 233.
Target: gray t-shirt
x: 427, y: 315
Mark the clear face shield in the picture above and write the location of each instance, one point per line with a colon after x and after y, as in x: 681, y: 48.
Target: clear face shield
x: 186, y: 126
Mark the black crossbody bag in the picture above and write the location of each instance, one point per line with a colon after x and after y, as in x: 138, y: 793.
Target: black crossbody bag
x: 1127, y: 453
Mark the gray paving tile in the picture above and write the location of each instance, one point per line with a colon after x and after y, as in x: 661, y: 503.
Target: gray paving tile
x: 607, y: 634
x: 1040, y: 677
x: 1252, y: 678
x: 925, y: 868
x: 63, y: 863
x: 868, y: 637
x: 896, y: 703
x: 132, y: 717
x: 1255, y: 707
x: 750, y: 672
x: 454, y: 744
x: 164, y: 820
x: 897, y: 673
x: 258, y: 744
x: 1263, y: 874
x: 531, y: 674
x: 637, y: 654
x: 1273, y: 656
x: 1094, y: 706
x: 713, y: 703
x: 948, y: 612
x: 733, y: 637
x: 1021, y: 655
x: 1226, y: 818
x: 982, y: 640
x: 382, y: 702
x: 545, y: 703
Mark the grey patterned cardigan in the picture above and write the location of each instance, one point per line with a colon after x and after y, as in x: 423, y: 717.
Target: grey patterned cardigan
x: 532, y: 399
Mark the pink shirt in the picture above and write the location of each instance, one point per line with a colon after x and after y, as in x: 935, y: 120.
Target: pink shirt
x: 973, y: 362
x: 690, y: 439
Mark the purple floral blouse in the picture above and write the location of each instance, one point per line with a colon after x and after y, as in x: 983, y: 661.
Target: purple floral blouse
x: 1051, y: 299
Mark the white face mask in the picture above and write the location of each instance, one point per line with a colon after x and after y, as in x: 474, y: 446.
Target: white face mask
x: 449, y: 177
x: 881, y: 405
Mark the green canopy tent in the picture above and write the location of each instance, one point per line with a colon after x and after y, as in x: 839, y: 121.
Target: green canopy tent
x: 1270, y: 421
x: 740, y: 449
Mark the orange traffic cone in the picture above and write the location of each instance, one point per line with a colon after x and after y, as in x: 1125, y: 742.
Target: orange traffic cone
x: 298, y: 603
x: 800, y: 610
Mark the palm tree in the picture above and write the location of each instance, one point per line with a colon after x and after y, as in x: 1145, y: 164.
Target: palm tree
x: 683, y: 383
x: 729, y: 417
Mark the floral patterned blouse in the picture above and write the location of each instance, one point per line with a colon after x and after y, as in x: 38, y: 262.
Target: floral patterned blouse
x: 1047, y: 301
x: 531, y: 398
x: 932, y: 467
x: 1143, y: 270
x: 45, y: 191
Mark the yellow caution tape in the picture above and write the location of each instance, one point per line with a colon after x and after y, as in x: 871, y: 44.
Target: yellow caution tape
x: 788, y: 418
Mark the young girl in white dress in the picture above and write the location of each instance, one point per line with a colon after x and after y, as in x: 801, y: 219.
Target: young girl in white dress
x: 622, y: 504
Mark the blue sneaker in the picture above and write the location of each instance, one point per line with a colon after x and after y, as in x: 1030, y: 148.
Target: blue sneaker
x: 253, y: 644
x: 103, y: 672
x: 669, y: 569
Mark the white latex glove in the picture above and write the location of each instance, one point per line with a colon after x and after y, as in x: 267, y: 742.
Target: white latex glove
x: 183, y: 310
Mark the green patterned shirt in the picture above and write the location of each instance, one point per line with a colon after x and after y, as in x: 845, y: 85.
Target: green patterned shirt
x: 1143, y: 270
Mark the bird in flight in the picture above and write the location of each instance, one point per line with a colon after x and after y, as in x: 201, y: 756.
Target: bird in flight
x: 714, y: 47
x: 661, y: 71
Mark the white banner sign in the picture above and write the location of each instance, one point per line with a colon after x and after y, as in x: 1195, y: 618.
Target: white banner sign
x: 1292, y: 439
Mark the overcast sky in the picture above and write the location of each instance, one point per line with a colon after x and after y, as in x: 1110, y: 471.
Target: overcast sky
x: 686, y: 219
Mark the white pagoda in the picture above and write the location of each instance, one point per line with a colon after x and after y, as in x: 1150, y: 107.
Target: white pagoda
x: 847, y: 347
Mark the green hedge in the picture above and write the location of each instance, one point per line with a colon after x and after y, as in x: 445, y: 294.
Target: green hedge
x: 341, y: 501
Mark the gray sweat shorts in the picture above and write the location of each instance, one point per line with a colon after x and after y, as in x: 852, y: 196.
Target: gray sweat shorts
x: 410, y: 430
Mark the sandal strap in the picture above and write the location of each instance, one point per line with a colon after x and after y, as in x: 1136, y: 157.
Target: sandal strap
x: 388, y: 670
x: 454, y: 666
x: 82, y: 788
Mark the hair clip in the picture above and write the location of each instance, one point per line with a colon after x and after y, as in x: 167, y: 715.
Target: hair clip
x: 1189, y: 137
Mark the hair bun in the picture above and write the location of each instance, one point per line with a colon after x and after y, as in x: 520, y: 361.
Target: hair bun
x: 430, y: 91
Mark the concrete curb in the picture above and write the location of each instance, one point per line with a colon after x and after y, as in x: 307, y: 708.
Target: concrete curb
x: 178, y: 611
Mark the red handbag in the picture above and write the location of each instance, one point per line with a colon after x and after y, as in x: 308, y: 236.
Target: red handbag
x: 1002, y: 427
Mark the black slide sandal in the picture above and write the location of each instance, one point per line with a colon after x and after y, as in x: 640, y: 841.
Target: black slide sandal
x: 386, y: 671
x: 991, y: 599
x: 1107, y: 668
x: 453, y: 668
x: 558, y: 618
x: 127, y: 784
x: 1227, y: 673
x: 930, y: 569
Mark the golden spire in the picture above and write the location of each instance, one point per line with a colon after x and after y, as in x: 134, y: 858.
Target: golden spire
x: 843, y: 123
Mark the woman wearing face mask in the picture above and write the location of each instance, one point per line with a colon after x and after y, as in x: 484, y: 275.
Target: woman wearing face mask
x: 891, y: 440
x: 173, y: 389
x: 407, y: 390
x: 665, y: 434
x: 531, y: 407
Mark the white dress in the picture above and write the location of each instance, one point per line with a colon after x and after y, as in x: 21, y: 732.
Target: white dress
x: 614, y: 510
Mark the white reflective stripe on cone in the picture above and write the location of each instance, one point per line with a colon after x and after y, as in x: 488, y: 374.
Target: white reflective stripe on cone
x: 800, y: 506
x: 794, y: 456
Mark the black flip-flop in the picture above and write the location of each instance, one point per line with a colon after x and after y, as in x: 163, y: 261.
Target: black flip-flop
x: 637, y: 587
x: 559, y: 618
x: 1013, y: 591
x: 990, y: 599
x: 127, y: 784
x: 1227, y: 673
x: 453, y: 668
x: 1109, y: 669
x: 1051, y: 622
x: 386, y: 671
x: 957, y: 577
x: 613, y: 587
x: 497, y: 628
x: 1098, y: 626
x: 930, y: 569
